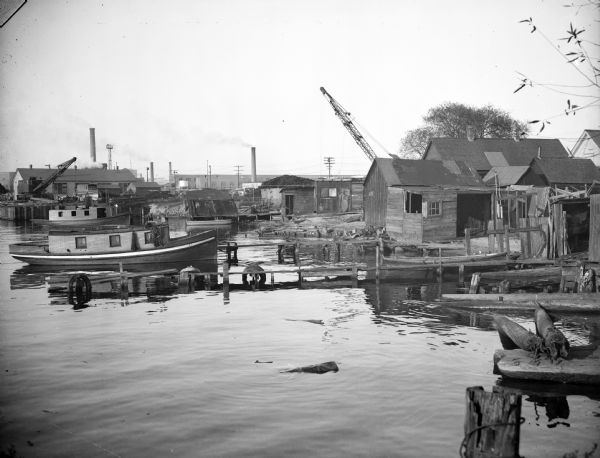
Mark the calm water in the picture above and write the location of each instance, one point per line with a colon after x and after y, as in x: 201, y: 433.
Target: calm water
x: 165, y: 373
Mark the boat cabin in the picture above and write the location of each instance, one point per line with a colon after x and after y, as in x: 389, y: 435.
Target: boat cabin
x: 77, y: 214
x: 107, y: 239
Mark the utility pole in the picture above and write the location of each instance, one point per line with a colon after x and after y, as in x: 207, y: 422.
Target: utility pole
x: 329, y: 161
x: 238, y: 168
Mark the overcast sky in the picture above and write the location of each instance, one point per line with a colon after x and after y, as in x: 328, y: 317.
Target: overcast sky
x: 199, y: 81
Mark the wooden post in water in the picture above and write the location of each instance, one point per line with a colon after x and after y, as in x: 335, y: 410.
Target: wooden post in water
x: 474, y: 284
x: 272, y: 280
x: 225, y: 281
x: 507, y: 241
x: 339, y: 252
x: 492, y: 424
x: 461, y: 275
x: 354, y: 276
x: 297, y: 254
x: 468, y: 240
x: 377, y: 262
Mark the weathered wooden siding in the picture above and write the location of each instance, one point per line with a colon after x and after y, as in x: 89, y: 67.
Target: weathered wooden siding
x: 357, y: 196
x: 405, y: 227
x: 440, y: 227
x: 304, y: 200
x: 375, y: 196
x: 594, y: 249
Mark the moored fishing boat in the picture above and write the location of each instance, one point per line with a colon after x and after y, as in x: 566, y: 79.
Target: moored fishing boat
x: 111, y: 245
x: 82, y: 216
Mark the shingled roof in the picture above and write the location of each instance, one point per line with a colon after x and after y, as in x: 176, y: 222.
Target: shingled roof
x: 287, y: 180
x: 567, y: 171
x: 505, y: 175
x: 504, y: 151
x: 408, y: 172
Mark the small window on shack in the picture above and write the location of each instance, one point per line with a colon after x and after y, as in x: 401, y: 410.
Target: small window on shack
x: 434, y: 208
x: 60, y: 214
x: 73, y: 212
x: 80, y: 242
x: 147, y: 237
x: 413, y: 203
x: 328, y: 192
x: 86, y: 213
x: 115, y: 240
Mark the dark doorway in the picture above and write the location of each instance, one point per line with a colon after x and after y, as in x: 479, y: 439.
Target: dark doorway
x: 289, y: 204
x: 472, y: 211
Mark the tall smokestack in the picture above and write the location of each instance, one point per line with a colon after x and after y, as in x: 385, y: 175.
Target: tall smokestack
x: 152, y: 172
x: 253, y: 165
x: 93, y: 144
x: 170, y: 171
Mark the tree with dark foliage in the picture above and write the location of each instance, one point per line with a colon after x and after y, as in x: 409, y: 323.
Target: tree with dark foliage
x: 455, y: 120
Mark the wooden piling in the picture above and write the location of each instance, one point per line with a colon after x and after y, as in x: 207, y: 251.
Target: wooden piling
x: 226, y: 281
x: 474, y: 284
x: 492, y: 424
x: 461, y: 274
x: 377, y: 255
x: 354, y: 277
x: 468, y: 241
x: 507, y: 241
x: 272, y: 281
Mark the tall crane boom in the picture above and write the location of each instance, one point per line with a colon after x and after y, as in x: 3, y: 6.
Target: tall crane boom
x: 48, y: 181
x: 348, y: 124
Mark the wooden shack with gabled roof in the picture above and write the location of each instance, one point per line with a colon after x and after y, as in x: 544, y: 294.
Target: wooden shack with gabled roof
x: 416, y: 200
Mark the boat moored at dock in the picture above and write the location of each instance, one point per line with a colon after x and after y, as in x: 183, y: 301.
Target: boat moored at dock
x: 111, y: 245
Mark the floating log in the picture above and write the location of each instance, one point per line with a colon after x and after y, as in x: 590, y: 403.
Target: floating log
x: 582, y: 366
x: 329, y: 366
x: 553, y: 302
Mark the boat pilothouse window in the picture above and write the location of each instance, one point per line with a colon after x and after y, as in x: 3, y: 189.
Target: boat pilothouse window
x: 115, y: 240
x: 80, y: 242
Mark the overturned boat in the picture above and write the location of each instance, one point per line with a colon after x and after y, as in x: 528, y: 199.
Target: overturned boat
x: 111, y: 245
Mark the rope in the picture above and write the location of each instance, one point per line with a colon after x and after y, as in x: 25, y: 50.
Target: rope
x: 465, y: 441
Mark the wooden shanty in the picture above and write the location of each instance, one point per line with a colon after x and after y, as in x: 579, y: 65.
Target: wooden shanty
x: 418, y: 201
x: 270, y: 190
x: 196, y: 204
x: 574, y: 226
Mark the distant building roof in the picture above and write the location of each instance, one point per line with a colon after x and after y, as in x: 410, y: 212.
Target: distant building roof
x: 504, y: 151
x: 506, y: 175
x: 89, y: 175
x: 570, y: 170
x: 287, y: 180
x: 407, y: 172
